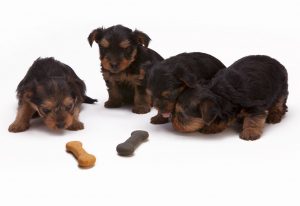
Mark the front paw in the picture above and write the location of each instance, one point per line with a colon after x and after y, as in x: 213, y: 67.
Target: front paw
x: 141, y: 109
x: 18, y: 127
x: 159, y: 119
x: 76, y: 126
x: 112, y: 104
x: 250, y: 134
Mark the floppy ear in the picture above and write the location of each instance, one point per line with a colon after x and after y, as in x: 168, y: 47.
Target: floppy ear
x: 188, y: 79
x: 95, y: 35
x: 142, y: 38
x: 209, y: 111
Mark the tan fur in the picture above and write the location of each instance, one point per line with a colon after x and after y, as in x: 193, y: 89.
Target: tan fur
x: 253, y: 126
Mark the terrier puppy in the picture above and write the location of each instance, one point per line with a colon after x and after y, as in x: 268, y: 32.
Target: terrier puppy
x: 52, y: 91
x: 254, y: 90
x: 169, y: 78
x: 122, y: 54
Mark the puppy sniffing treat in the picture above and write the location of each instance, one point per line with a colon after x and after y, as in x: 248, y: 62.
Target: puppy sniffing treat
x: 84, y: 159
x: 52, y: 91
x: 252, y: 90
x: 123, y: 53
x: 170, y: 77
x: 128, y: 147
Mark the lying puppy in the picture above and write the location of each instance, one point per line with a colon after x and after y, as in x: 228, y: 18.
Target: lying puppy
x: 122, y: 54
x: 172, y: 76
x: 254, y: 88
x: 52, y: 91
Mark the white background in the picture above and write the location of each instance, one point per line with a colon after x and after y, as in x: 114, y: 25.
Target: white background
x: 171, y: 168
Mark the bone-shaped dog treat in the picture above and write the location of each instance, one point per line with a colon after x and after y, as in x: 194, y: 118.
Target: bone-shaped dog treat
x: 84, y: 159
x: 127, y: 148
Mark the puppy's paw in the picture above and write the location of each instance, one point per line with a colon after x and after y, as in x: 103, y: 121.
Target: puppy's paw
x: 76, y: 126
x: 159, y: 119
x: 112, y: 104
x: 141, y: 109
x: 250, y: 134
x: 18, y: 127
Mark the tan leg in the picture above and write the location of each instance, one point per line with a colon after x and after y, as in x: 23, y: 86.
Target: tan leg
x: 277, y: 111
x: 253, y: 126
x: 24, y: 114
x: 142, y: 101
x: 76, y: 124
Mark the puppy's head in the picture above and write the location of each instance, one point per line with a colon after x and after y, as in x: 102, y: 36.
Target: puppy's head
x: 165, y: 84
x: 208, y: 106
x: 54, y: 100
x: 118, y: 46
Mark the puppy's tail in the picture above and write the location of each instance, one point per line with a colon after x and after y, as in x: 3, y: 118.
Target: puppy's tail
x: 89, y: 100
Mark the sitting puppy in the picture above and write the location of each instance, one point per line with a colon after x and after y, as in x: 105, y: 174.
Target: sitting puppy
x: 52, y: 91
x: 122, y: 54
x: 254, y: 89
x: 169, y: 78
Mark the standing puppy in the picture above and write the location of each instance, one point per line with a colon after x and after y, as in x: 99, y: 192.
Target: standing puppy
x: 169, y: 78
x: 122, y: 54
x: 52, y: 91
x: 254, y: 88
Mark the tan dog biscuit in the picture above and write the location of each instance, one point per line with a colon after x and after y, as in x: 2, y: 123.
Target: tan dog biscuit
x: 84, y: 159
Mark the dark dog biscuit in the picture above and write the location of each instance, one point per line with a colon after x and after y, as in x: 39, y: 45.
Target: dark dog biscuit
x: 128, y: 147
x: 123, y: 53
x: 253, y: 90
x: 169, y: 78
x: 52, y: 91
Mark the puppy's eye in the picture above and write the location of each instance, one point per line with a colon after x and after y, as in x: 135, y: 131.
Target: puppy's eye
x: 46, y: 111
x: 69, y: 107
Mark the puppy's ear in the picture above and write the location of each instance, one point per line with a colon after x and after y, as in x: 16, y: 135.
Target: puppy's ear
x: 142, y: 38
x: 95, y: 35
x: 187, y: 79
x: 209, y: 111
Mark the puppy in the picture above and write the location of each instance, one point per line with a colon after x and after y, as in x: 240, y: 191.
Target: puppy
x: 253, y: 89
x: 122, y: 54
x: 52, y: 91
x: 169, y: 78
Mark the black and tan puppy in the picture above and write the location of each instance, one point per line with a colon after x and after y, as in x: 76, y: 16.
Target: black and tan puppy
x: 122, y: 54
x: 52, y: 91
x: 172, y: 76
x: 254, y: 89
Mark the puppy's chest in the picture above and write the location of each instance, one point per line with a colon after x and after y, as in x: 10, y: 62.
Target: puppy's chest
x: 124, y: 78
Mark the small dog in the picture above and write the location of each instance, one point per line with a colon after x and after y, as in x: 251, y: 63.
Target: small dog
x: 254, y: 90
x: 122, y: 54
x: 52, y: 91
x: 169, y: 78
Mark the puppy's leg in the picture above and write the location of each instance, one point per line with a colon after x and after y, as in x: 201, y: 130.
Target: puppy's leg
x: 142, y: 100
x: 253, y: 126
x: 24, y: 114
x: 277, y: 111
x: 159, y: 119
x: 75, y: 123
x: 115, y: 96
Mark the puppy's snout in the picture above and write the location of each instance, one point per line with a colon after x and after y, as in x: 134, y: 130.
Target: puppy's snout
x: 114, y: 66
x: 60, y: 124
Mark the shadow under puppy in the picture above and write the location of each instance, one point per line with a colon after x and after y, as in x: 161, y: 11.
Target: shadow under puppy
x: 52, y: 91
x: 253, y: 90
x: 122, y: 54
x: 169, y: 78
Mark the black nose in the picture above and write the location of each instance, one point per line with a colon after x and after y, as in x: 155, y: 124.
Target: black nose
x: 60, y: 124
x: 114, y: 66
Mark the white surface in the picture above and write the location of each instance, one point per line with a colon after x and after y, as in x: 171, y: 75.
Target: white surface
x: 171, y: 168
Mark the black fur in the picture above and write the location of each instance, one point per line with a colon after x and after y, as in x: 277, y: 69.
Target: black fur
x: 122, y: 65
x: 251, y: 86
x: 173, y: 75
